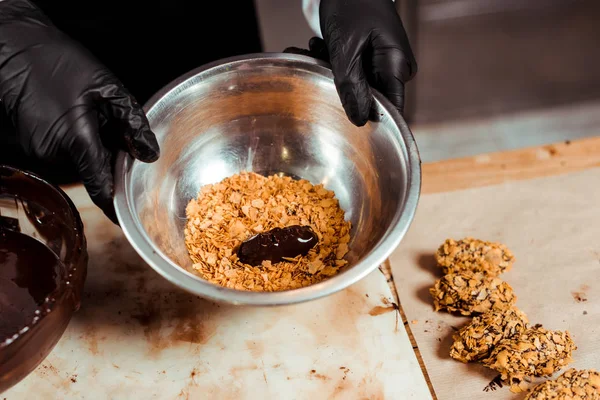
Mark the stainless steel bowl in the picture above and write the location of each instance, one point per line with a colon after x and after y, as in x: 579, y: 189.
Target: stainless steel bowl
x: 267, y: 113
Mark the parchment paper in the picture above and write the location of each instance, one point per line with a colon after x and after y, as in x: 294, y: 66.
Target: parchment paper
x: 552, y: 225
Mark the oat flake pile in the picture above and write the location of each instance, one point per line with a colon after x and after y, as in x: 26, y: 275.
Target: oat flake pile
x: 229, y: 212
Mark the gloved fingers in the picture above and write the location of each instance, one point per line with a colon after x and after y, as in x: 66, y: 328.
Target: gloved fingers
x: 297, y: 50
x: 138, y: 138
x: 349, y: 75
x: 352, y: 87
x: 317, y: 49
x: 92, y: 161
x: 389, y: 71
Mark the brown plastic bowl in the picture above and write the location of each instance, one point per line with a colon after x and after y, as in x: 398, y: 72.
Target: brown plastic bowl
x: 45, y: 213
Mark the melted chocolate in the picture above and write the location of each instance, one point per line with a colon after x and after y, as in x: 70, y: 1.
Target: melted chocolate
x: 29, y: 273
x: 277, y: 244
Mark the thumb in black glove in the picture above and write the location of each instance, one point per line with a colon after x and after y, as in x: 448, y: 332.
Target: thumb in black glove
x: 64, y: 104
x: 367, y: 46
x: 316, y: 49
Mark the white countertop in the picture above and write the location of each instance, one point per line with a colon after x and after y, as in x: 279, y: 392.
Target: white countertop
x: 138, y: 336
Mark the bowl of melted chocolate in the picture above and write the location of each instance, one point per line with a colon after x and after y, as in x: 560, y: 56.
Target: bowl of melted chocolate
x: 43, y: 264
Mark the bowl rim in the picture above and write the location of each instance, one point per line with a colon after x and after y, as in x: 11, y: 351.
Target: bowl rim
x: 178, y: 276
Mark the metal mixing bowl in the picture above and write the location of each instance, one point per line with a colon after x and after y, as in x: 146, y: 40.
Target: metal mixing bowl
x: 267, y: 113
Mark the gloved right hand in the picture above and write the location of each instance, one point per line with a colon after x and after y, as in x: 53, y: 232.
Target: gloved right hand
x: 64, y: 104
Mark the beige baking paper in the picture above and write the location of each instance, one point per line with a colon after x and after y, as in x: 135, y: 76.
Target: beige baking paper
x: 552, y: 225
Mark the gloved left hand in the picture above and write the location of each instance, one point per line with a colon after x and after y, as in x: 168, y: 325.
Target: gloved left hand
x: 365, y: 42
x: 66, y: 105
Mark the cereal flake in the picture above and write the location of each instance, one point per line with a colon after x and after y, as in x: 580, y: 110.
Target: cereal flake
x: 471, y: 293
x: 475, y: 341
x: 572, y: 385
x: 470, y: 254
x: 535, y: 352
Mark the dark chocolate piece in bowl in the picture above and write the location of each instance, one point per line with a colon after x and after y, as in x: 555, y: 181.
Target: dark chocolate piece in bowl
x: 277, y: 244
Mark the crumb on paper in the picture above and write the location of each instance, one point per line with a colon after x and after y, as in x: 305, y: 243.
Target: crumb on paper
x: 414, y: 321
x: 475, y: 341
x: 471, y: 293
x: 572, y: 385
x: 579, y: 297
x: 233, y: 210
x: 535, y: 352
x: 494, y: 384
x: 474, y: 255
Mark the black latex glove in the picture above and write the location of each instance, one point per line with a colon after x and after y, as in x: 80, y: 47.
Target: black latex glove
x: 64, y: 104
x: 366, y: 46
